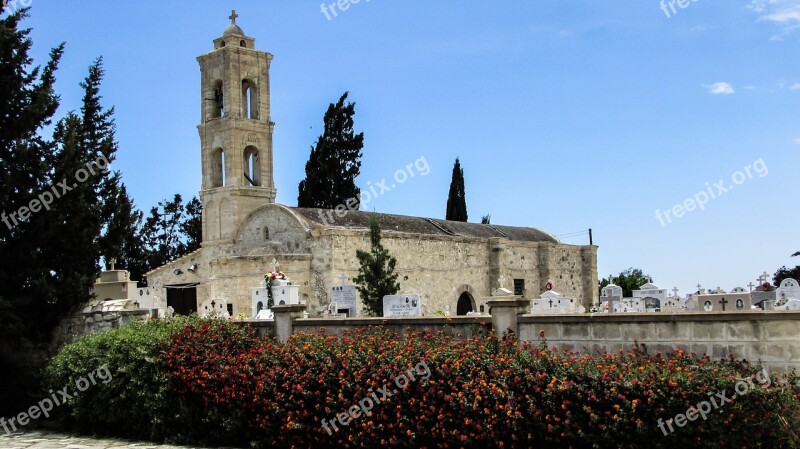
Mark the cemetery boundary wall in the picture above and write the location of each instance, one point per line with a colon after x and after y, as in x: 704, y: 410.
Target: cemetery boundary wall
x: 771, y: 338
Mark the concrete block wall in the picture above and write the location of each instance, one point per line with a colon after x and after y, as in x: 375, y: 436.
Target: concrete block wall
x: 772, y: 338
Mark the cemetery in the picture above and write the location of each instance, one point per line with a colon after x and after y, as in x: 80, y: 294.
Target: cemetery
x: 265, y: 334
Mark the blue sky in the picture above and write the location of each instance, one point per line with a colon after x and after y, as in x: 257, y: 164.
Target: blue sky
x: 567, y: 115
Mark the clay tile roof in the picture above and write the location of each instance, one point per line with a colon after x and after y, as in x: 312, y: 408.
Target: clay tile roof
x: 321, y: 218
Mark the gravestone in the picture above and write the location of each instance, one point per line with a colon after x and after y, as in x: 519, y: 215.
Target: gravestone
x: 284, y: 292
x: 259, y: 301
x: 551, y: 302
x: 789, y: 289
x: 652, y: 295
x: 610, y: 294
x: 401, y: 306
x: 790, y: 304
x: 214, y: 308
x: 725, y: 302
x: 674, y: 304
x: 345, y: 297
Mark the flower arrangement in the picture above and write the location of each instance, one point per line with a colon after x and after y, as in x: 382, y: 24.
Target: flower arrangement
x: 268, y: 278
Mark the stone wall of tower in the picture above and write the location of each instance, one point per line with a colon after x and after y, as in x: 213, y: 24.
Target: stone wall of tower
x: 229, y: 136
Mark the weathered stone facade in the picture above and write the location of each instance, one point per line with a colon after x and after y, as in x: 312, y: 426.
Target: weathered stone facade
x: 244, y: 231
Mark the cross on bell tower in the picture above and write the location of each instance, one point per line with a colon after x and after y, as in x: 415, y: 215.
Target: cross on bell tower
x: 235, y: 133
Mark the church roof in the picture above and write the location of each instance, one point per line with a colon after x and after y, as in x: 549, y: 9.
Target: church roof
x: 324, y: 218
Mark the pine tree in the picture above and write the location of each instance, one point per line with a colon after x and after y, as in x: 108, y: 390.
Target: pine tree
x: 335, y: 161
x: 376, y: 277
x: 456, y: 199
x: 172, y: 230
x: 192, y: 227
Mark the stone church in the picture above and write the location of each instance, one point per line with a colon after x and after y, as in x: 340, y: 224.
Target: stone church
x: 452, y: 265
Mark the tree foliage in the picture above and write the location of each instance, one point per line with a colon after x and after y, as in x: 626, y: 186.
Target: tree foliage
x: 456, y: 199
x: 335, y: 161
x: 630, y: 280
x: 376, y: 277
x: 172, y: 230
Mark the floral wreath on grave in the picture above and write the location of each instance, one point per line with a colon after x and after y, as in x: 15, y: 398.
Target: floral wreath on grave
x: 268, y: 278
x: 766, y: 286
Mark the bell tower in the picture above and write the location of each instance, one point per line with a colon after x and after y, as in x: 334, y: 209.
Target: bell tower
x: 235, y: 133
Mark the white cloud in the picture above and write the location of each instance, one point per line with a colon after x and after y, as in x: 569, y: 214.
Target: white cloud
x: 720, y: 88
x: 785, y: 16
x: 797, y: 141
x: 795, y: 86
x: 783, y: 13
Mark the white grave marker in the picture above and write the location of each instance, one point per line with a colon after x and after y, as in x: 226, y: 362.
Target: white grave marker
x: 345, y: 298
x: 401, y: 306
x: 214, y: 308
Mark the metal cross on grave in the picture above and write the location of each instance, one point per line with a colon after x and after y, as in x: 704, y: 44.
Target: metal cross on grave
x: 722, y: 302
x: 233, y: 16
x: 751, y: 285
x: 551, y: 303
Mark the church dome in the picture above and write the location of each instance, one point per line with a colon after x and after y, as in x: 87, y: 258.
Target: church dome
x: 233, y: 30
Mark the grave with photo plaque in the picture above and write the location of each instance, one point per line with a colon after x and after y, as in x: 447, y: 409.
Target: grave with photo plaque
x: 402, y: 306
x: 345, y: 298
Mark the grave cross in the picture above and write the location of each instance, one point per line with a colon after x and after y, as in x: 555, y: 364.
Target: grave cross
x: 112, y: 262
x: 699, y: 287
x: 551, y: 303
x: 723, y: 301
x: 344, y: 279
x: 751, y: 285
x: 233, y: 16
x: 675, y: 291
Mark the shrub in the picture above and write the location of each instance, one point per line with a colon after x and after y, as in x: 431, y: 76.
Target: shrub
x: 216, y: 382
x: 135, y: 403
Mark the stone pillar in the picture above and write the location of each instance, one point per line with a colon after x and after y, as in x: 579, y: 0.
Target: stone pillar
x: 284, y: 316
x: 504, y: 311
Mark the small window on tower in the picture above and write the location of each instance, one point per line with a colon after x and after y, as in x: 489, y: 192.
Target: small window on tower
x: 519, y: 287
x: 266, y: 233
x: 242, y: 43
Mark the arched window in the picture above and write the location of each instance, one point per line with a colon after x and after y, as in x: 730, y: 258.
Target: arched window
x: 249, y: 100
x: 242, y: 43
x: 216, y: 100
x: 252, y: 166
x: 218, y: 168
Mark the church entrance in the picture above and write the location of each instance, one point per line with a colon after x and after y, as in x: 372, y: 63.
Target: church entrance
x: 464, y: 304
x: 182, y: 298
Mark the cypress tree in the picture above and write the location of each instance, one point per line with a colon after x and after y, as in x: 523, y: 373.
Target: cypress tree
x: 376, y: 277
x: 456, y: 200
x: 334, y: 162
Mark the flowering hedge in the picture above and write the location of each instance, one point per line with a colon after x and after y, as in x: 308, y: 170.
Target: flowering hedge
x: 225, y: 385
